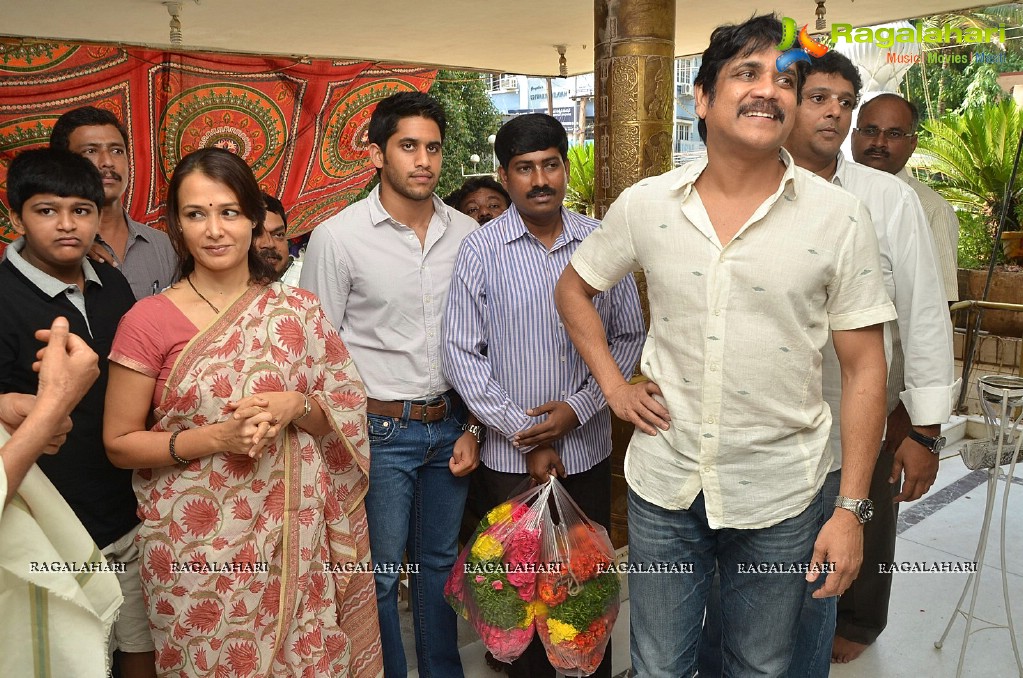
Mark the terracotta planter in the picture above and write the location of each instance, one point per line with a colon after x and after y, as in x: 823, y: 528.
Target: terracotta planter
x: 1012, y: 245
x: 1007, y: 287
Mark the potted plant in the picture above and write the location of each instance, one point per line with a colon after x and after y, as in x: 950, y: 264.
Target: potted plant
x: 969, y: 158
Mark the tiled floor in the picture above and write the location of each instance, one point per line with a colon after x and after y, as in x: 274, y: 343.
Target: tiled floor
x: 944, y: 526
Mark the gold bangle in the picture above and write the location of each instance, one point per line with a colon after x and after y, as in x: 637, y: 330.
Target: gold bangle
x: 173, y: 454
x: 307, y: 410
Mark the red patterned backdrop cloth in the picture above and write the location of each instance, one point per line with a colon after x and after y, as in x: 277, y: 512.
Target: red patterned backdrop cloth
x: 300, y: 124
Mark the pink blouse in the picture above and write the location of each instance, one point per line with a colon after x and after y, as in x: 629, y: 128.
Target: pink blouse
x: 150, y: 337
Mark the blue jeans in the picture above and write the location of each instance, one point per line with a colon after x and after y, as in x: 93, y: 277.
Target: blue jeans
x: 760, y: 610
x: 812, y: 656
x: 414, y: 506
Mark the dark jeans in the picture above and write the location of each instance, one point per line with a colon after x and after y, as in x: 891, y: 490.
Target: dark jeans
x: 591, y: 490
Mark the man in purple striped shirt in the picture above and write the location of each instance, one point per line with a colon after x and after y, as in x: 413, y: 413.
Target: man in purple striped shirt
x: 506, y: 351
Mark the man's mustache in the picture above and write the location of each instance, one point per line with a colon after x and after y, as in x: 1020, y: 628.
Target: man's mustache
x: 540, y: 191
x: 270, y: 254
x: 763, y: 107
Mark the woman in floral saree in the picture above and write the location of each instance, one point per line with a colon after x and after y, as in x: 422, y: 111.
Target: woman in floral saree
x: 239, y: 406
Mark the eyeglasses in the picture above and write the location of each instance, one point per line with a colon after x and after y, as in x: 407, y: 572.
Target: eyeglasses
x: 893, y: 134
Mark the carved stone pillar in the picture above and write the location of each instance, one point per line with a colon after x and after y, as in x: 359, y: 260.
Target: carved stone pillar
x: 634, y: 112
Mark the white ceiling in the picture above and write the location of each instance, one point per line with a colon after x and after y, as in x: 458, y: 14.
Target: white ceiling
x: 495, y: 35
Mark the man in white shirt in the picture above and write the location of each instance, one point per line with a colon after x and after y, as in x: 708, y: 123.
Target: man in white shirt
x: 885, y: 140
x: 922, y: 332
x: 749, y: 261
x: 382, y: 269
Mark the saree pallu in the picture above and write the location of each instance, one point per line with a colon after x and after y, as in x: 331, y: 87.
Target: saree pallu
x: 261, y: 567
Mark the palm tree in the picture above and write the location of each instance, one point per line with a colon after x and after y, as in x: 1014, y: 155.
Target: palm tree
x: 970, y: 157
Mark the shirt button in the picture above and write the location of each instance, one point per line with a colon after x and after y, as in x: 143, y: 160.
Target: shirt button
x: 717, y: 311
x: 710, y: 420
x: 562, y: 358
x: 713, y: 367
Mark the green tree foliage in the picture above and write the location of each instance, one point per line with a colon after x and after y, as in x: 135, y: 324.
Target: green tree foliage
x: 941, y: 87
x: 471, y: 119
x: 579, y: 197
x: 970, y: 156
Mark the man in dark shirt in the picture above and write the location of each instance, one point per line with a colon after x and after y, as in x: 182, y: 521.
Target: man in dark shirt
x: 142, y: 253
x: 55, y: 199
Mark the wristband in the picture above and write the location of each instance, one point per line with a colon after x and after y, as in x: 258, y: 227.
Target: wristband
x: 173, y: 454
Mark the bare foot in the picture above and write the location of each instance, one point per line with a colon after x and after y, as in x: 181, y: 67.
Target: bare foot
x: 844, y: 650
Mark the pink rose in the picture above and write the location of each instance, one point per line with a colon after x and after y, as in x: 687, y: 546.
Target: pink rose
x: 506, y: 644
x: 523, y: 549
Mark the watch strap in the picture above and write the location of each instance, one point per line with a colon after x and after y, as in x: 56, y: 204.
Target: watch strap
x: 933, y: 444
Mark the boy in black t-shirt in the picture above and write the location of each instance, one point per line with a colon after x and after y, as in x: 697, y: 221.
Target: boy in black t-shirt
x: 55, y: 199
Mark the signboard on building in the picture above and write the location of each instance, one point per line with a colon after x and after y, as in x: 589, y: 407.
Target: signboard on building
x: 564, y: 114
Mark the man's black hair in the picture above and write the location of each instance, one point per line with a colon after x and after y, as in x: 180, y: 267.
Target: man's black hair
x: 914, y: 112
x: 454, y: 198
x: 60, y: 136
x: 735, y: 41
x: 277, y: 207
x: 54, y: 171
x: 832, y: 63
x: 476, y: 183
x: 384, y: 121
x: 527, y: 134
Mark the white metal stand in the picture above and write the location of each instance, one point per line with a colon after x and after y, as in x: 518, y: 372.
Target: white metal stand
x: 1001, y: 399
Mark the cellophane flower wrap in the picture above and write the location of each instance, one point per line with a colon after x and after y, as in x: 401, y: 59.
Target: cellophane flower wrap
x: 580, y: 597
x: 493, y: 582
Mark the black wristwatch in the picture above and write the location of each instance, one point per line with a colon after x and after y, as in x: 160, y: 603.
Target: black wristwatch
x: 863, y: 509
x: 477, y: 432
x: 935, y: 445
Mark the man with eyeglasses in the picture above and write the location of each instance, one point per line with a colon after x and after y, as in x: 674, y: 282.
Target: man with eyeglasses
x: 925, y: 383
x: 272, y: 243
x: 885, y: 140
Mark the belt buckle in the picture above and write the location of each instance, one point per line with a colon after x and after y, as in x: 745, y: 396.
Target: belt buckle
x: 425, y: 409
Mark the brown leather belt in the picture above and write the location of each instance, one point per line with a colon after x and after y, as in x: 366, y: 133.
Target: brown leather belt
x: 424, y: 412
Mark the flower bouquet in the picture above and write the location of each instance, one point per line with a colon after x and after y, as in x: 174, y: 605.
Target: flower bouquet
x: 581, y: 597
x: 493, y: 583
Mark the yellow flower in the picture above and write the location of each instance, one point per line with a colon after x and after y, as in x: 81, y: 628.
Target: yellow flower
x: 560, y: 631
x: 487, y: 548
x: 533, y: 610
x: 499, y: 513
